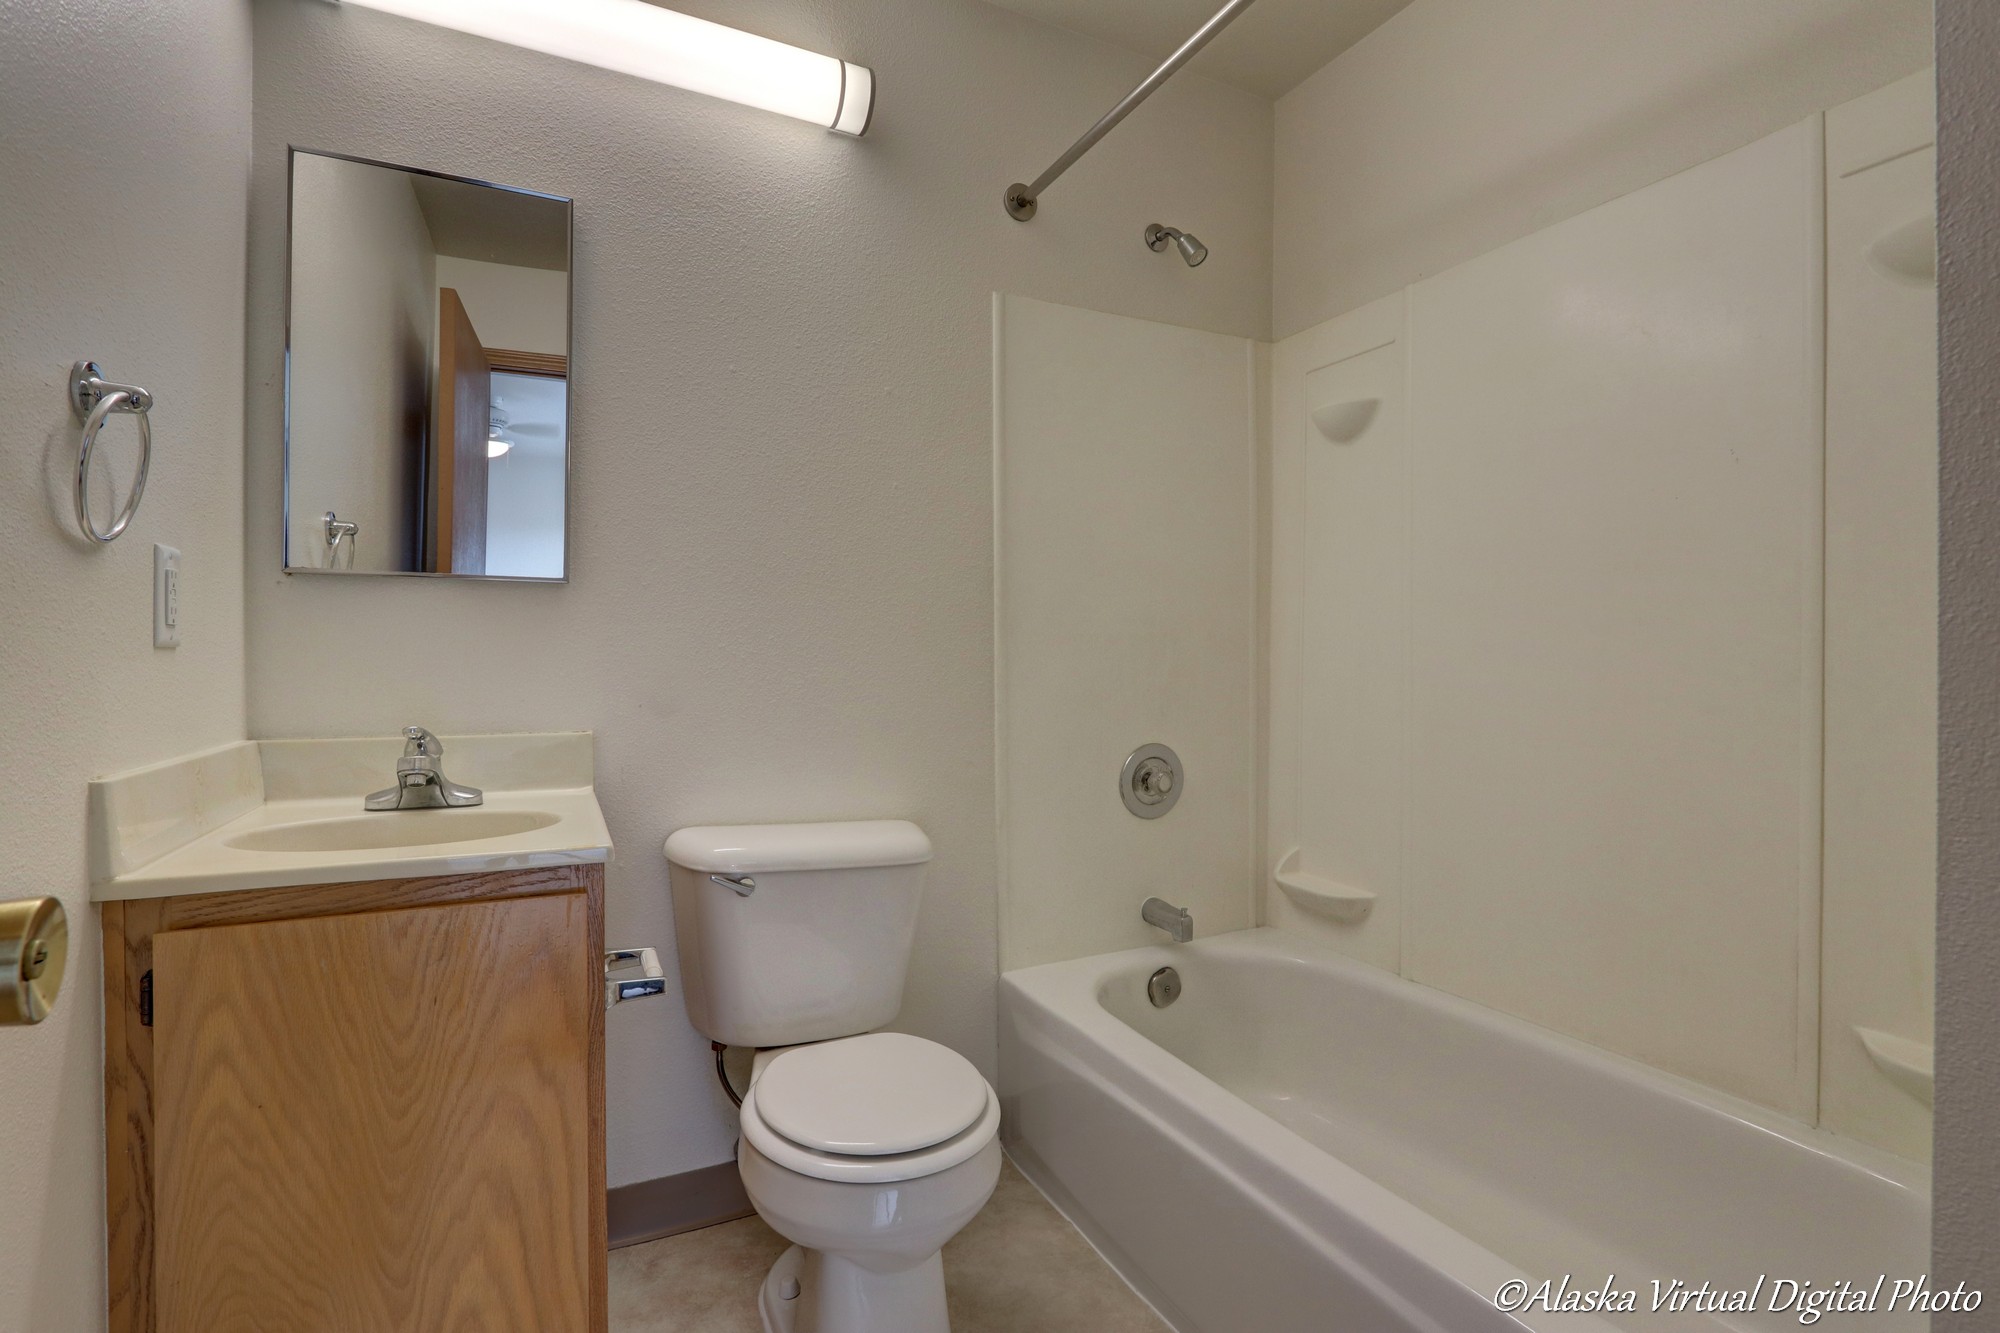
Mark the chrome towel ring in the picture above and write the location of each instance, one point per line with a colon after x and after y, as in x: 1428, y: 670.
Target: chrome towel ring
x: 94, y: 399
x: 338, y: 531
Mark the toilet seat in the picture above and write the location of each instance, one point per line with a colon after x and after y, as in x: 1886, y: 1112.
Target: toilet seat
x: 880, y: 1170
x: 871, y: 1109
x: 870, y: 1096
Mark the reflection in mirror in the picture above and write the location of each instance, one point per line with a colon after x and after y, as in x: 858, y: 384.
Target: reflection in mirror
x: 427, y: 397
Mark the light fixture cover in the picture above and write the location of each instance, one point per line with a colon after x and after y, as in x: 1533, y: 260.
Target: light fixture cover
x: 636, y: 38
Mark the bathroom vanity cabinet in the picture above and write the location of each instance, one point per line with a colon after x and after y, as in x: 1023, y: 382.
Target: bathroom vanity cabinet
x: 366, y: 1107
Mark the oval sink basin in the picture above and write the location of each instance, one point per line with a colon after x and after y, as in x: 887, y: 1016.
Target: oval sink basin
x: 395, y: 828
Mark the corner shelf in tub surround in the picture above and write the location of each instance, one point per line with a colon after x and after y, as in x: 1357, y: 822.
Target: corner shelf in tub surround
x: 1907, y: 1064
x: 276, y: 814
x: 1322, y: 896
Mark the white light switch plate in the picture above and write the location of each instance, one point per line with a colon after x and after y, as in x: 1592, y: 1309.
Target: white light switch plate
x: 166, y: 597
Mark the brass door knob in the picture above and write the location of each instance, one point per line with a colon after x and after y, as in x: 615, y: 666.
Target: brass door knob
x: 34, y: 950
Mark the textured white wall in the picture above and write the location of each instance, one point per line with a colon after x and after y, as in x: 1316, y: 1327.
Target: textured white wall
x: 1128, y: 538
x: 363, y: 314
x: 124, y: 146
x: 1459, y: 125
x: 781, y: 604
x: 1966, y: 1151
x: 520, y: 309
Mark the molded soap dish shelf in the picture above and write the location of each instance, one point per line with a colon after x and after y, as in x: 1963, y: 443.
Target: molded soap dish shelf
x: 1322, y: 896
x: 1905, y: 1063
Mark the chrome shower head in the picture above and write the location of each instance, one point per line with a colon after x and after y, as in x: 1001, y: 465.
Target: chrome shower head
x: 1158, y: 237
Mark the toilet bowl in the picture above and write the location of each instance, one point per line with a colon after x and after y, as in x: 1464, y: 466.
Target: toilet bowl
x: 868, y: 1153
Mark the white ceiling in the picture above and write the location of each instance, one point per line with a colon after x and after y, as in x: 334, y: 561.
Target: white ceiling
x: 497, y: 225
x: 1268, y: 49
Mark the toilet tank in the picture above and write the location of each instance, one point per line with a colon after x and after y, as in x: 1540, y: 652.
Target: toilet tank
x: 818, y: 948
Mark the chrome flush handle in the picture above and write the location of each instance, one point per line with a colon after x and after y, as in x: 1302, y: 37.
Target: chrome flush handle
x: 741, y: 885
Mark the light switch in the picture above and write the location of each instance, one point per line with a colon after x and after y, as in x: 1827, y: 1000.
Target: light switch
x: 166, y: 597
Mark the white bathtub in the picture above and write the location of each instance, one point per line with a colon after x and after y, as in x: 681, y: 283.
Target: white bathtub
x: 1303, y: 1142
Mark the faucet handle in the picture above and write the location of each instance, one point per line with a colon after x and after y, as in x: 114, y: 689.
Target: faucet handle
x: 421, y: 743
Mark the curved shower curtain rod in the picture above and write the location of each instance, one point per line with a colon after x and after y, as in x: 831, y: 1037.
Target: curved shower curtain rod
x: 1022, y: 199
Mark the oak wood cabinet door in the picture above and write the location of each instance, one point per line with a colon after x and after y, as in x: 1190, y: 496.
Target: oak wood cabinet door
x: 376, y: 1122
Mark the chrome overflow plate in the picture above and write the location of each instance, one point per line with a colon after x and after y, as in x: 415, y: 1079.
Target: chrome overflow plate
x: 1163, y: 987
x: 1151, y: 781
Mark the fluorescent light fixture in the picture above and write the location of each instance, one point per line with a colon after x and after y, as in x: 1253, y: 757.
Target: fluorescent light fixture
x: 633, y: 37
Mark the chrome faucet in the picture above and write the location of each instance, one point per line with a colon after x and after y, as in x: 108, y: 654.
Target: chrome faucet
x: 420, y: 783
x: 1176, y: 921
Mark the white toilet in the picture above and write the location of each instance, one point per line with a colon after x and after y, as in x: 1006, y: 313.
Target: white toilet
x: 867, y: 1150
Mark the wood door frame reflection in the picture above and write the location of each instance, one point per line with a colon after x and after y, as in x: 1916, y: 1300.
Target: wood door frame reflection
x: 548, y: 365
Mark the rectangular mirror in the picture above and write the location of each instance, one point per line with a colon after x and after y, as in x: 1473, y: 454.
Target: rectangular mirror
x: 427, y: 374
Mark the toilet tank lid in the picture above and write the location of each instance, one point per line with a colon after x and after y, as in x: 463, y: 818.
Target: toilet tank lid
x: 748, y: 849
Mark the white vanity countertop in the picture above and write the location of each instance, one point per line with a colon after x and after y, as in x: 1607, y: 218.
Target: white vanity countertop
x: 205, y: 823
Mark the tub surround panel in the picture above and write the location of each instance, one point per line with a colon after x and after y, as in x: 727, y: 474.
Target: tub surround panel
x: 1881, y: 609
x: 1339, y: 618
x: 1597, y: 538
x: 1613, y: 788
x: 1125, y: 491
x: 1890, y: 122
x: 1545, y: 623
